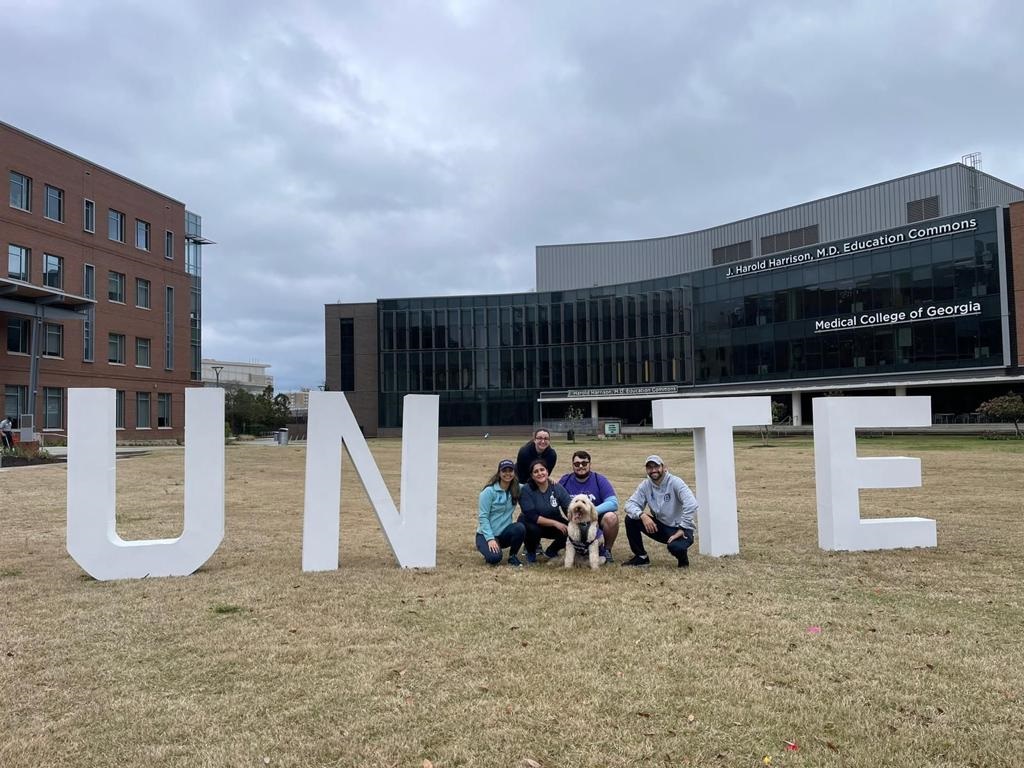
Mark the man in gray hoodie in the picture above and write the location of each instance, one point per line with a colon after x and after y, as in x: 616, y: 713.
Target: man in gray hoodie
x: 662, y: 507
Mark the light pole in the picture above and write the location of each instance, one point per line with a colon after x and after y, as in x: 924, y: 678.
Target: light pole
x: 216, y: 372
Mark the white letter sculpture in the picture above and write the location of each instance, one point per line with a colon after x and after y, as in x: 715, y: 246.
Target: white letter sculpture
x: 712, y: 420
x: 412, y: 533
x: 840, y: 474
x: 93, y: 541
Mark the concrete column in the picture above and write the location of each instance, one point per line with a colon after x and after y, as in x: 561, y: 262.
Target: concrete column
x: 796, y: 409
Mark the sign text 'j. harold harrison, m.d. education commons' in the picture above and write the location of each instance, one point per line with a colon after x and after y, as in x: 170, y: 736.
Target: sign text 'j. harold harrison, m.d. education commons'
x: 914, y: 233
x: 411, y: 530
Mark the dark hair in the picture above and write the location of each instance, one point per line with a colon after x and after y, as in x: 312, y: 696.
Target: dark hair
x: 581, y: 455
x: 541, y: 429
x: 513, y: 487
x: 534, y: 463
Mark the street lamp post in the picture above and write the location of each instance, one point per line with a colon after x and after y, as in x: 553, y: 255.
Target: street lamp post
x: 216, y: 372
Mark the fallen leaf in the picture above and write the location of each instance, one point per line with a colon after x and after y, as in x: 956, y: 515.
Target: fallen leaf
x: 767, y: 759
x: 266, y: 761
x: 644, y: 714
x: 528, y: 763
x: 690, y: 718
x: 831, y: 746
x: 524, y: 643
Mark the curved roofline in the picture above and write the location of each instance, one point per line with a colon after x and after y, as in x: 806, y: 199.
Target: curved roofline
x: 779, y: 210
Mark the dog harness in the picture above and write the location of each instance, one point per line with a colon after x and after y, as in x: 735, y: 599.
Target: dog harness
x: 581, y: 547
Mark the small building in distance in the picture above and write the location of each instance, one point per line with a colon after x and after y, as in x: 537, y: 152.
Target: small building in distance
x: 252, y: 377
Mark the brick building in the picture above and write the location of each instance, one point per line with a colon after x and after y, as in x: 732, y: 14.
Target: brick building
x: 102, y: 289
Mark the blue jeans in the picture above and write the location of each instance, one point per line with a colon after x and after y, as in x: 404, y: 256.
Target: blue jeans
x: 635, y: 533
x: 511, y: 538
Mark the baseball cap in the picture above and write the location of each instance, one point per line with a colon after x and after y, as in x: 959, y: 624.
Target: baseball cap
x: 506, y: 464
x: 654, y: 459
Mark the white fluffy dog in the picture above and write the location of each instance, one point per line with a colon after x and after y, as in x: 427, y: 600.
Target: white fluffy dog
x: 585, y: 534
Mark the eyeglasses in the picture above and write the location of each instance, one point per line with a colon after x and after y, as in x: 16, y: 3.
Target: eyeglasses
x: 542, y: 439
x: 581, y: 463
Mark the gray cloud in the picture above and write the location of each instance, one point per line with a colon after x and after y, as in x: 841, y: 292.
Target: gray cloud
x: 401, y: 149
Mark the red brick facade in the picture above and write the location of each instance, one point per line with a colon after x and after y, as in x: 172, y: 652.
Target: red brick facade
x: 1016, y: 247
x: 80, y: 180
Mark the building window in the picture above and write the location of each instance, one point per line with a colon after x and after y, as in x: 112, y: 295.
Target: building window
x: 142, y: 352
x: 21, y: 191
x: 163, y: 409
x: 18, y: 262
x: 115, y: 348
x: 785, y: 241
x: 89, y: 281
x: 142, y: 234
x: 119, y: 409
x: 925, y: 208
x: 348, y: 358
x: 168, y: 244
x: 53, y: 271
x: 169, y: 328
x: 141, y: 293
x: 142, y: 415
x: 17, y: 335
x: 115, y: 287
x: 53, y: 340
x: 734, y: 252
x: 115, y: 225
x: 54, y: 203
x: 89, y: 291
x: 89, y: 216
x: 15, y: 400
x: 53, y: 408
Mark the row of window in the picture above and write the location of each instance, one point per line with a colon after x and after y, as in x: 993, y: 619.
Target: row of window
x: 16, y: 404
x: 19, y: 267
x: 53, y: 209
x: 599, y: 319
x: 648, y: 361
x: 52, y: 343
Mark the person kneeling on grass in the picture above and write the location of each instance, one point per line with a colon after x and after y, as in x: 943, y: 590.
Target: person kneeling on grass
x: 545, y: 506
x: 495, y: 530
x: 662, y: 507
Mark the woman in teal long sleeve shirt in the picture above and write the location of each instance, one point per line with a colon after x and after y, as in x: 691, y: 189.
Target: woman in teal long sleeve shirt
x: 495, y: 530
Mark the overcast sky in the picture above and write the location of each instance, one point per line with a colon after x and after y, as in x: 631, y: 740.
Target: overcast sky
x: 349, y: 151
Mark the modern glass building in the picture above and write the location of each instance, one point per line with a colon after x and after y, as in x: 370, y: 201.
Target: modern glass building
x: 927, y: 305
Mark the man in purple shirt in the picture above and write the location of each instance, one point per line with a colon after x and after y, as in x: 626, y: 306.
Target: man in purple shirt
x: 583, y: 480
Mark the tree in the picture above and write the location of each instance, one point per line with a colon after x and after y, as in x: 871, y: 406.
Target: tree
x: 252, y: 414
x: 778, y: 414
x: 574, y: 417
x: 1008, y: 407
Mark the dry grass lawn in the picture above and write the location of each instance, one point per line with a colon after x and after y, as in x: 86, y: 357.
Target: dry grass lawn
x: 250, y: 662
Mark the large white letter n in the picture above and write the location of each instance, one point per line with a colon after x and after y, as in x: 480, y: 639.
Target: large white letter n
x: 92, y: 526
x: 411, y: 534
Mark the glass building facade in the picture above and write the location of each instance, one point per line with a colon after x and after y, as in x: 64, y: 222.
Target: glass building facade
x: 927, y: 297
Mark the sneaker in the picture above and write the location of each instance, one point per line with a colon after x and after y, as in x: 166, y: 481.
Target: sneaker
x: 684, y: 561
x: 552, y: 552
x: 641, y: 561
x: 607, y: 555
x: 514, y: 561
x: 531, y: 558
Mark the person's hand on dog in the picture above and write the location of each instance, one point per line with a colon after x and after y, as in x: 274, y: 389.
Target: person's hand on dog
x: 562, y: 528
x: 492, y: 545
x: 649, y: 524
